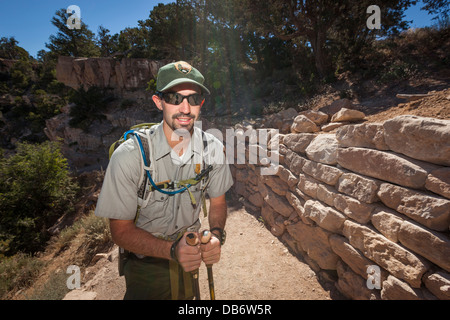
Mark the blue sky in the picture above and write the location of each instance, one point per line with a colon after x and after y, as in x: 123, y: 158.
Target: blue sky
x: 29, y: 21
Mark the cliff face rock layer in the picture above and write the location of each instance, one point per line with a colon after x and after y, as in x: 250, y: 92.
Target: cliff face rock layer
x: 120, y: 75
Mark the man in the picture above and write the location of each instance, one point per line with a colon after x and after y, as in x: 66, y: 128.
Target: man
x: 157, y: 239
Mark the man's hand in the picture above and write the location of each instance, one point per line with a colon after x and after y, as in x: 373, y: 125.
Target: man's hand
x: 189, y: 257
x: 210, y: 251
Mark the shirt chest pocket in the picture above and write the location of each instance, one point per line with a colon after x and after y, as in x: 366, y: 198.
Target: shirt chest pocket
x: 157, y: 204
x: 186, y: 200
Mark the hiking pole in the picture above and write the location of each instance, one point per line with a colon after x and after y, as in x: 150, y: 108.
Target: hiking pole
x: 192, y: 240
x: 206, y: 236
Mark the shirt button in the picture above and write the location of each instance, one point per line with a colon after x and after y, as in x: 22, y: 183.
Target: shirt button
x: 162, y: 198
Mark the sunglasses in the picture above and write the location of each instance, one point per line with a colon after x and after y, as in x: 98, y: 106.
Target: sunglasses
x: 175, y: 98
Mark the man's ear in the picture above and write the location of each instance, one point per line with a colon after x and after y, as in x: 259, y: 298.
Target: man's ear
x: 158, y: 102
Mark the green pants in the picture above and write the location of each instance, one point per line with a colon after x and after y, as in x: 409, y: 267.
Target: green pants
x: 149, y: 279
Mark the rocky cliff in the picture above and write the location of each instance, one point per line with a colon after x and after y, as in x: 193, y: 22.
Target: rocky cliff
x: 120, y: 75
x: 132, y: 104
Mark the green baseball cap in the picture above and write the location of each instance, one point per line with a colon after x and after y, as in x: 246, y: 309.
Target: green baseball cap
x: 175, y: 73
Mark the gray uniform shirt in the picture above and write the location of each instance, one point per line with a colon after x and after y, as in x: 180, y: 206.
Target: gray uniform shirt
x: 164, y: 214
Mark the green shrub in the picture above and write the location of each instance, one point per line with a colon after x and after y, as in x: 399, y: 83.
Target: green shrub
x: 35, y: 189
x: 89, y: 105
x: 18, y: 272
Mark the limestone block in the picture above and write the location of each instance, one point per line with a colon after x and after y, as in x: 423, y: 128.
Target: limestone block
x: 323, y: 149
x: 296, y: 163
x: 314, y: 241
x: 395, y: 289
x: 422, y: 138
x: 332, y: 125
x: 308, y: 185
x: 430, y: 244
x: 438, y: 283
x: 326, y: 194
x: 398, y: 261
x: 359, y: 187
x: 322, y: 172
x: 384, y: 166
x: 279, y: 204
x: 429, y: 210
x: 276, y: 184
x: 365, y: 135
x: 354, y: 286
x: 353, y: 208
x: 287, y: 176
x: 337, y: 105
x: 387, y: 221
x: 269, y: 215
x: 351, y: 256
x: 324, y: 216
x: 438, y: 181
x: 298, y: 142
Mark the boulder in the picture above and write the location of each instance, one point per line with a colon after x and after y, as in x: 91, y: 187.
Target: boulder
x: 347, y: 115
x: 318, y: 117
x: 303, y: 124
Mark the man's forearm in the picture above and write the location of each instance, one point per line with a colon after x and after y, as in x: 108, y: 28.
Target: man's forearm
x: 217, y: 213
x: 126, y: 235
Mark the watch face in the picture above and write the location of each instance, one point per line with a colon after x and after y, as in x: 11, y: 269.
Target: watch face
x: 224, y: 237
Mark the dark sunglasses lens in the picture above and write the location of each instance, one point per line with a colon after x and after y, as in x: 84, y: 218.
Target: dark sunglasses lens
x: 176, y: 98
x: 173, y: 98
x: 195, y: 99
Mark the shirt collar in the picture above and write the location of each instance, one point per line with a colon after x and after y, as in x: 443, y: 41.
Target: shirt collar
x: 161, y: 147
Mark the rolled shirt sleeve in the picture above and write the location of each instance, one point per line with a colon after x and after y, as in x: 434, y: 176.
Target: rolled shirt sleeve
x: 220, y: 177
x: 118, y: 196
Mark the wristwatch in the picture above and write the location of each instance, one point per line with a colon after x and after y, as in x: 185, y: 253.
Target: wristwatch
x: 222, y: 237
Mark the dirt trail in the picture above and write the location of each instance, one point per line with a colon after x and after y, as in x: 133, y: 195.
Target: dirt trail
x: 254, y: 265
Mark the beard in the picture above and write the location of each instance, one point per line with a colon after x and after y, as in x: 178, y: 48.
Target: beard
x: 176, y: 126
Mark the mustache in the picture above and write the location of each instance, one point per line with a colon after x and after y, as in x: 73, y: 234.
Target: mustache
x: 182, y: 115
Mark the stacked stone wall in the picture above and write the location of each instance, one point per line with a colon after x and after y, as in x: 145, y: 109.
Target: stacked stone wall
x: 367, y: 204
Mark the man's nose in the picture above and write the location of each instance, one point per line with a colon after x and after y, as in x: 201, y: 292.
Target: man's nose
x: 185, y: 107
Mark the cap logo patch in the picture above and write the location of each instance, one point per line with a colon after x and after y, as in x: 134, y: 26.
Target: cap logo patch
x: 183, y: 67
